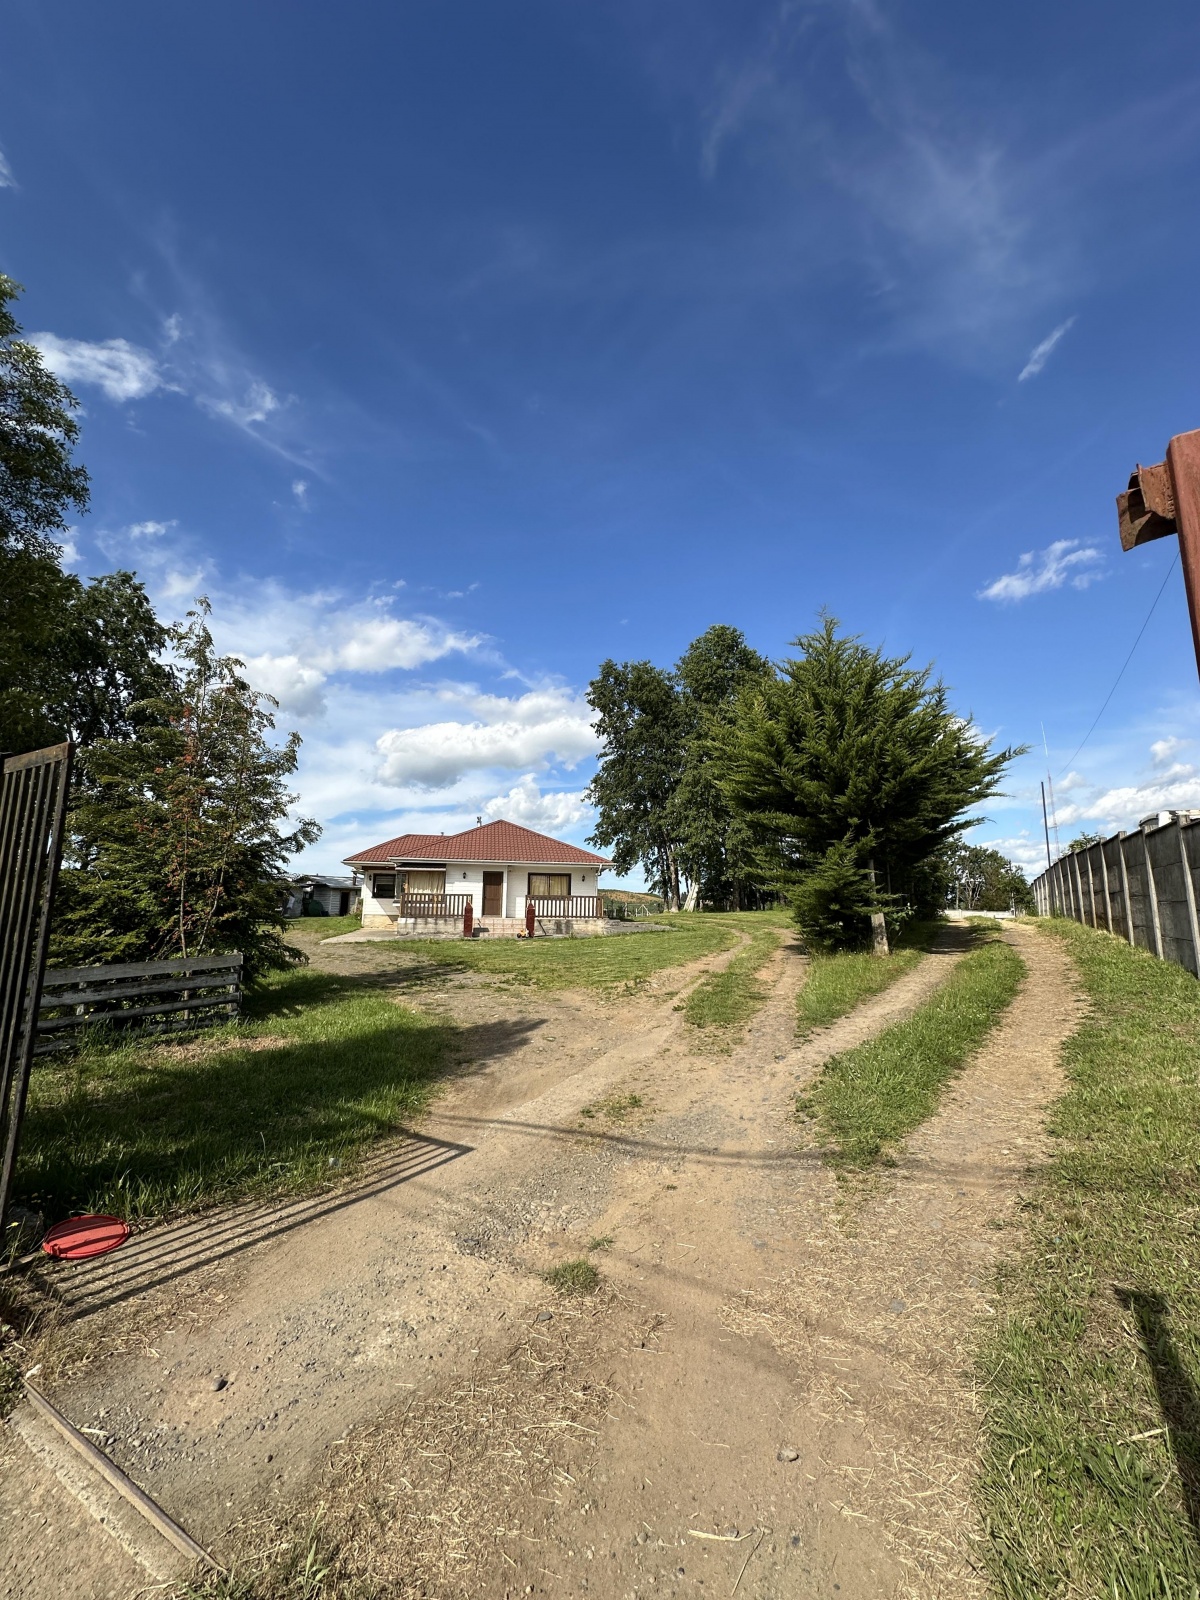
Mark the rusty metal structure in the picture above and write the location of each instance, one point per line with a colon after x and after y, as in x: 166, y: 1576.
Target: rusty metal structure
x: 33, y: 810
x: 1165, y: 499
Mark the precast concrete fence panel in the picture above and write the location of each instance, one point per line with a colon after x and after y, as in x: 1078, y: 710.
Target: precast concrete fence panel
x: 1142, y: 886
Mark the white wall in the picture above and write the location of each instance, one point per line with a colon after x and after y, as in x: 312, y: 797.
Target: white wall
x: 466, y: 877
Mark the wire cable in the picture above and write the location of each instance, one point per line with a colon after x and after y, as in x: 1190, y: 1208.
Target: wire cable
x: 1127, y: 660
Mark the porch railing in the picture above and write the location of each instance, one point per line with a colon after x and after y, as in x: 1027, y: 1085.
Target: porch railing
x: 431, y: 905
x: 571, y: 905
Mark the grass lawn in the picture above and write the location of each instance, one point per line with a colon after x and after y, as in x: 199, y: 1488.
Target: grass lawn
x: 603, y: 962
x: 1090, y: 1481
x: 868, y: 1099
x: 728, y: 999
x: 321, y: 1066
x: 326, y: 927
x: 837, y: 983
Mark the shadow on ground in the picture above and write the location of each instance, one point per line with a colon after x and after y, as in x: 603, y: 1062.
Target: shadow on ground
x: 161, y: 1255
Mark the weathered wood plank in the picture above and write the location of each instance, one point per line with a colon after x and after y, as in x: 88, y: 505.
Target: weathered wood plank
x: 95, y: 993
x: 138, y: 969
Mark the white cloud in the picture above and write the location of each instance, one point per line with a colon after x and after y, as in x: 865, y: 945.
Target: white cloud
x: 372, y: 641
x: 255, y: 404
x: 533, y: 730
x: 1073, y: 780
x: 7, y: 180
x: 70, y: 554
x: 300, y: 492
x: 1041, y: 353
x: 1162, y: 750
x: 1045, y: 569
x: 122, y: 370
x: 165, y: 560
x: 1025, y: 850
x: 298, y: 688
x: 1177, y: 789
x: 525, y: 803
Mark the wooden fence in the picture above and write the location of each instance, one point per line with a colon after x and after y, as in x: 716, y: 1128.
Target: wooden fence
x: 159, y: 996
x: 1142, y: 886
x: 566, y: 905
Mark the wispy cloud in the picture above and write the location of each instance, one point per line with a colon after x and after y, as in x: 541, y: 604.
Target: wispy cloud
x: 193, y: 359
x: 7, y: 180
x: 122, y: 371
x: 1063, y: 561
x: 1162, y: 750
x: 1041, y: 353
x: 300, y: 492
x: 947, y: 225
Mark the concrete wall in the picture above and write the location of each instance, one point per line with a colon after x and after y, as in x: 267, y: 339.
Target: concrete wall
x: 1142, y: 886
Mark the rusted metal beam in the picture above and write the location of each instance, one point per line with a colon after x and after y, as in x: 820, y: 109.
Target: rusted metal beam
x: 1165, y: 499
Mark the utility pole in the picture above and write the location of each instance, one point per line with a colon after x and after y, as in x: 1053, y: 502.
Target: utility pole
x: 1165, y: 499
x: 1046, y: 828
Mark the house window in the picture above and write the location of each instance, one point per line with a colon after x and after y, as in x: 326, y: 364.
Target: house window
x: 425, y: 883
x: 385, y: 887
x: 549, y: 885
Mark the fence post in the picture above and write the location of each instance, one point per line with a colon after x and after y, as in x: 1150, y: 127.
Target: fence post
x: 1190, y: 890
x: 1092, y: 886
x: 1125, y: 894
x: 1104, y: 876
x: 1077, y: 887
x: 1152, y: 894
x: 468, y: 919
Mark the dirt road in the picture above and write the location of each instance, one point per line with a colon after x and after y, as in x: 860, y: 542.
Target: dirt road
x: 770, y: 1390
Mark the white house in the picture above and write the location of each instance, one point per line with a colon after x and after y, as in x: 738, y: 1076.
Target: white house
x: 499, y: 869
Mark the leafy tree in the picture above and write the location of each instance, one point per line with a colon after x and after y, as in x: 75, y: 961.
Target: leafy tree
x: 1084, y: 841
x: 853, y: 771
x: 179, y: 834
x: 73, y: 657
x: 643, y: 728
x: 38, y: 479
x: 984, y: 880
x: 716, y: 846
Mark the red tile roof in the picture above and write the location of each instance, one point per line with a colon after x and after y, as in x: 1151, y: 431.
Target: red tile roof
x: 495, y: 841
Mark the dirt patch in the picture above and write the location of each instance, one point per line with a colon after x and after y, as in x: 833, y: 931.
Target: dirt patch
x: 758, y: 1410
x: 882, y: 1316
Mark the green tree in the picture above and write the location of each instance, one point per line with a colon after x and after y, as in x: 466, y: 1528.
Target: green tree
x: 1084, y: 841
x: 38, y: 479
x: 716, y: 847
x: 853, y: 771
x: 984, y: 880
x: 74, y: 657
x: 180, y: 835
x: 643, y: 729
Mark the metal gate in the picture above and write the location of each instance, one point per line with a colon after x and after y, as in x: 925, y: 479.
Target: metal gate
x: 33, y: 809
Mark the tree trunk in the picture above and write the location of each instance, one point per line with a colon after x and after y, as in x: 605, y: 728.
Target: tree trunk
x: 672, y: 879
x: 879, y: 938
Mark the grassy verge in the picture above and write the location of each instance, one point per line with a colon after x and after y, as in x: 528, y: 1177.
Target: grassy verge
x: 1090, y: 1481
x: 836, y: 984
x: 868, y: 1099
x: 728, y: 999
x: 326, y: 927
x: 276, y: 1104
x: 603, y: 962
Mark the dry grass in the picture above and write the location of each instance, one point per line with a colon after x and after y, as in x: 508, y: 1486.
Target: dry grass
x: 913, y: 1433
x: 451, y: 1490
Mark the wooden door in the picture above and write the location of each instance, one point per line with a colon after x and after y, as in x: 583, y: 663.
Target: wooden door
x: 493, y: 894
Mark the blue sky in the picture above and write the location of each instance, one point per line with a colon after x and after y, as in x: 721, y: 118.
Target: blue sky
x: 451, y: 348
